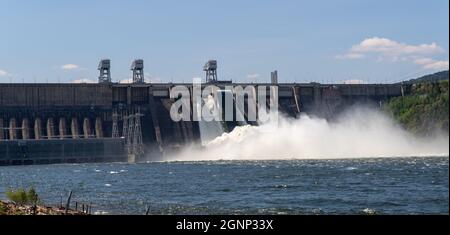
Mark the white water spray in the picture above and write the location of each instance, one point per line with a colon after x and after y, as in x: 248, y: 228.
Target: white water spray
x: 358, y: 133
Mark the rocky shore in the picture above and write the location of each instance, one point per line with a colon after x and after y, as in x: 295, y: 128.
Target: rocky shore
x: 10, y: 208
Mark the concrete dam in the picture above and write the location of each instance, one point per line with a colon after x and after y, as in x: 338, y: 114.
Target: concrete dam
x: 112, y: 122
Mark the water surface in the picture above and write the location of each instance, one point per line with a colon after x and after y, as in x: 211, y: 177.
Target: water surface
x: 352, y: 186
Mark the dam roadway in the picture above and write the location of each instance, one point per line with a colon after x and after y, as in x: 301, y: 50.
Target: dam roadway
x: 57, y: 123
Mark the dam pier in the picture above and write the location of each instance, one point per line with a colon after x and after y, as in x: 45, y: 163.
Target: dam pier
x: 114, y: 122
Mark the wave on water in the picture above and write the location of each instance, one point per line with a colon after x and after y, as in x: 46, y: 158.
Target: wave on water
x: 357, y: 133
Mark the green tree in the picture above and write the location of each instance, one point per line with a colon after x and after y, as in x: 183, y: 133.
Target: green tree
x: 23, y: 197
x: 423, y: 111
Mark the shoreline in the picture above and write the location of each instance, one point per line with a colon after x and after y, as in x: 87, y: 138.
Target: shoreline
x: 10, y: 208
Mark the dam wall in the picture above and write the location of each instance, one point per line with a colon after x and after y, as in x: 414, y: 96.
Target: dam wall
x: 139, y: 114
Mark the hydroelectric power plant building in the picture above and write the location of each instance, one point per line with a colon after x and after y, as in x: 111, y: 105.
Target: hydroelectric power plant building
x: 109, y: 122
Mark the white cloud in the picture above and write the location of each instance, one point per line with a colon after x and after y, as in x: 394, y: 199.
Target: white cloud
x: 253, y: 76
x: 3, y: 73
x: 153, y: 80
x: 127, y: 80
x: 394, y: 48
x: 147, y: 80
x: 350, y: 56
x: 387, y: 48
x: 428, y: 63
x: 83, y: 80
x: 70, y: 67
x: 354, y: 81
x: 391, y: 50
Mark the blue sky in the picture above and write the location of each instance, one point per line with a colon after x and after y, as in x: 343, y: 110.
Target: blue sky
x: 324, y: 41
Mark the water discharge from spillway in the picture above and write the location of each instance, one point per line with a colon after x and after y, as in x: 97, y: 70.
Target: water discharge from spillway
x: 209, y: 130
x: 357, y: 133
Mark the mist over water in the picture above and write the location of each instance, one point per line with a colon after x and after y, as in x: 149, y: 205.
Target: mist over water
x: 356, y: 133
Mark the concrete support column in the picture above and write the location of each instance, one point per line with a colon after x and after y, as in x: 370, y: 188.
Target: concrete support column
x: 178, y: 133
x: 317, y: 96
x: 74, y: 128
x: 176, y: 126
x: 37, y: 128
x: 129, y: 95
x: 183, y: 131
x: 190, y: 131
x: 98, y: 128
x: 1, y: 129
x: 62, y: 128
x: 25, y: 129
x: 50, y: 128
x: 155, y: 121
x: 297, y: 103
x: 12, y: 129
x: 189, y: 124
x: 86, y: 128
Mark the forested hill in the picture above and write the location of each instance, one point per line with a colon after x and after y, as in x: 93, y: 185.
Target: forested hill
x: 426, y: 109
x: 435, y: 77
